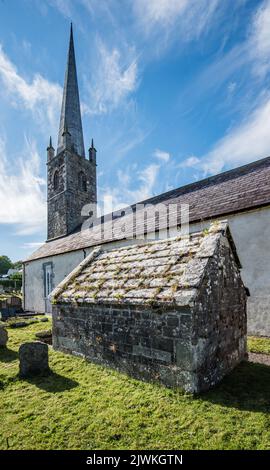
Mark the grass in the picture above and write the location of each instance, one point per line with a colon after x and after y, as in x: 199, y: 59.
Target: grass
x: 259, y: 345
x: 84, y: 406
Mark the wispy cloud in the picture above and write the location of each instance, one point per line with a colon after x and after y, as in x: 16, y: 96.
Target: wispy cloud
x: 63, y: 6
x: 114, y: 78
x: 259, y: 42
x: 22, y: 191
x: 32, y: 245
x: 134, y: 185
x: 161, y: 155
x: 248, y: 141
x: 190, y: 162
x: 40, y: 96
x: 174, y: 19
x: 250, y: 138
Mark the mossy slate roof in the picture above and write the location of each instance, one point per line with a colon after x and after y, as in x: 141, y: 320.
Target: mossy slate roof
x: 241, y: 189
x: 160, y: 272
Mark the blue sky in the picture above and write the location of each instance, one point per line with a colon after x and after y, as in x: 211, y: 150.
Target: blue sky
x: 171, y: 90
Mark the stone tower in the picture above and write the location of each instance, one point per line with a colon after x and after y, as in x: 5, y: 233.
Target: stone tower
x: 71, y: 177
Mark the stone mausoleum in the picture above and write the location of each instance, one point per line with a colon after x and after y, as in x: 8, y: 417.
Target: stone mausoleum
x: 172, y: 311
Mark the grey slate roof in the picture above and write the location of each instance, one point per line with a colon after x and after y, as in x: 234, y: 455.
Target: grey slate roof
x: 71, y: 113
x: 241, y: 189
x: 161, y: 272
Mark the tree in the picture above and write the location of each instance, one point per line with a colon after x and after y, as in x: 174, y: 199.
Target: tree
x: 16, y: 276
x: 17, y: 264
x: 5, y: 264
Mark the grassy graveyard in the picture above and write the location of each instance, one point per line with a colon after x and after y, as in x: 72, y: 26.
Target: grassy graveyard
x: 84, y: 406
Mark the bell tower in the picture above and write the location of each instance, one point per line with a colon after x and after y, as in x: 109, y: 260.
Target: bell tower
x: 71, y: 177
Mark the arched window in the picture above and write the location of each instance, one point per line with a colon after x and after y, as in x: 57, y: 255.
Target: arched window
x: 82, y: 181
x: 56, y: 180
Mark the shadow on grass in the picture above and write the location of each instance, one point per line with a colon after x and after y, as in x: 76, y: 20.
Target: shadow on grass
x: 246, y: 388
x: 7, y: 355
x: 52, y: 383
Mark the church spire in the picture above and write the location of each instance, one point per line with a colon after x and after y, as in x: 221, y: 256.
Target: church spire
x: 70, y: 112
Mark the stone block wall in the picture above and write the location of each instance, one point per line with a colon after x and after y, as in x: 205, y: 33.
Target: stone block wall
x: 143, y: 343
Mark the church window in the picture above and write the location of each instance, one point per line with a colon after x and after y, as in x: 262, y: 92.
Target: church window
x: 56, y: 181
x: 82, y: 181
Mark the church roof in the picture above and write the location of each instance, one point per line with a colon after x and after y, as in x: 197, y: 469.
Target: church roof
x: 167, y: 272
x: 241, y: 189
x: 70, y: 119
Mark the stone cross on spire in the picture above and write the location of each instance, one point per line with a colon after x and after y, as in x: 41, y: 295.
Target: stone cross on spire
x: 70, y: 112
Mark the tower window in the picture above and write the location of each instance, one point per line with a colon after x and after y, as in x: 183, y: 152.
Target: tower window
x: 82, y: 182
x: 56, y: 180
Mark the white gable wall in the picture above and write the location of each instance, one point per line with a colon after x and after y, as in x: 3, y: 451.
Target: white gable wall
x: 251, y: 234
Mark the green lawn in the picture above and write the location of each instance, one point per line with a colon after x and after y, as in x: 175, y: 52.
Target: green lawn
x: 83, y: 406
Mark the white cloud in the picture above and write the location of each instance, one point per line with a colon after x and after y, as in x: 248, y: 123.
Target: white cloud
x: 231, y: 88
x: 247, y: 142
x: 189, y: 162
x: 63, y: 6
x: 259, y: 44
x: 161, y: 155
x: 32, y: 245
x: 40, y: 96
x: 136, y: 184
x: 188, y: 18
x: 123, y: 194
x: 114, y: 78
x: 159, y: 11
x: 22, y: 192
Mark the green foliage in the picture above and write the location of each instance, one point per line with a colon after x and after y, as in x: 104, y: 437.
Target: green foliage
x: 259, y: 345
x: 18, y: 264
x: 84, y: 406
x: 15, y: 284
x: 16, y: 276
x: 5, y: 264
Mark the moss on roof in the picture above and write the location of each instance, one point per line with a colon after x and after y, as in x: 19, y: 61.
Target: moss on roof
x: 161, y: 272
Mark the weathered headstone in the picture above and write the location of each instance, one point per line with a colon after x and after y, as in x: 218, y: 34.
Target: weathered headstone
x: 44, y: 319
x: 34, y: 359
x: 44, y: 336
x: 3, y: 337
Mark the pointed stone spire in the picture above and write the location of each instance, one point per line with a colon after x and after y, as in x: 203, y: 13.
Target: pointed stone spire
x: 50, y: 143
x: 70, y: 112
x: 66, y: 137
x: 92, y: 152
x: 50, y: 150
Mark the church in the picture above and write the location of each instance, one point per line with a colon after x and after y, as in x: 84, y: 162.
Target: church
x: 241, y: 196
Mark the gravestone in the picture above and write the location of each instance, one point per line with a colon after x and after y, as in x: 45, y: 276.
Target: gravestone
x: 34, y: 359
x: 3, y: 337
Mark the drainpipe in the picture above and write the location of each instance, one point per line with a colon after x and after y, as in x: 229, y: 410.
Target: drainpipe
x: 84, y: 253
